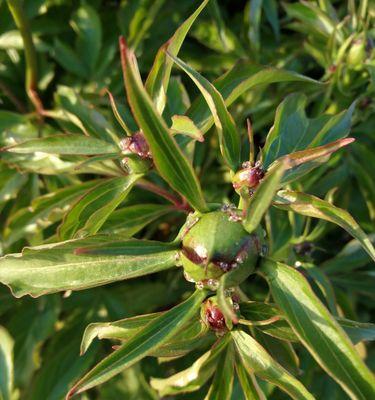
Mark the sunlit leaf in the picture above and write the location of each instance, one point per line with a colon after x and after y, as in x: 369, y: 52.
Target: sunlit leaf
x: 318, y: 330
x: 65, y: 144
x: 194, y: 377
x: 6, y: 364
x: 83, y: 263
x: 244, y: 76
x: 229, y: 137
x: 158, y: 78
x: 222, y: 384
x: 168, y: 158
x: 312, y: 206
x: 256, y: 360
x: 155, y: 334
x: 90, y: 212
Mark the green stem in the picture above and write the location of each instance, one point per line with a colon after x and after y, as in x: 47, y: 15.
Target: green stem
x: 22, y: 23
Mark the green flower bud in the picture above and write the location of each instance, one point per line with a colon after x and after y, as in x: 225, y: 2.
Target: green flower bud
x: 216, y: 244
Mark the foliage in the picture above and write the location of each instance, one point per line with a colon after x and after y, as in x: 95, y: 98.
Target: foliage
x: 249, y: 243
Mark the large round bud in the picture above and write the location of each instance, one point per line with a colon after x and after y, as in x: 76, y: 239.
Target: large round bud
x: 216, y: 244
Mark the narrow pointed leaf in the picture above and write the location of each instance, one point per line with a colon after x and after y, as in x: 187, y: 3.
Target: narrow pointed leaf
x: 302, y: 162
x: 256, y: 360
x: 90, y: 212
x: 6, y: 364
x: 268, y: 319
x: 65, y: 144
x: 84, y: 263
x: 249, y: 385
x: 194, y: 377
x: 260, y: 201
x: 193, y: 335
x: 155, y: 334
x: 318, y: 330
x: 242, y: 77
x: 44, y: 211
x: 168, y: 157
x: 351, y: 257
x: 357, y: 331
x: 222, y: 384
x: 129, y: 220
x: 158, y: 78
x: 117, y: 115
x: 229, y: 137
x: 311, y: 206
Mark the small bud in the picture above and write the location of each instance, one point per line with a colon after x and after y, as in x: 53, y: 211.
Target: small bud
x: 248, y: 177
x: 136, y: 144
x: 213, y: 317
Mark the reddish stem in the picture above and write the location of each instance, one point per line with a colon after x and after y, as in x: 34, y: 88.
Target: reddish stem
x: 179, y: 204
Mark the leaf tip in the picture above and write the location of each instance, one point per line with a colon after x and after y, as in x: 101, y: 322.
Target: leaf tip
x: 346, y: 141
x: 72, y: 392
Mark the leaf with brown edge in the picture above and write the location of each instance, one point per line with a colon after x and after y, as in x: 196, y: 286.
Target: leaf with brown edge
x: 318, y: 330
x: 302, y: 162
x: 168, y: 157
x: 311, y: 206
x: 255, y: 359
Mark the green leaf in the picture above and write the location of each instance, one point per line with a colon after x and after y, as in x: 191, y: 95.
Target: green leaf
x: 318, y: 330
x: 268, y: 319
x: 155, y: 334
x: 193, y: 335
x: 260, y: 201
x: 30, y: 330
x: 117, y: 115
x: 92, y: 121
x: 351, y: 257
x: 281, y: 351
x: 65, y: 144
x: 222, y: 384
x: 76, y: 264
x: 6, y: 364
x: 11, y: 183
x: 256, y: 360
x: 248, y: 382
x: 43, y: 212
x: 292, y: 131
x: 168, y: 157
x: 87, y: 25
x: 158, y: 77
x: 229, y: 137
x: 357, y: 331
x: 129, y: 220
x: 244, y: 76
x: 312, y: 206
x: 123, y: 329
x: 194, y: 377
x: 68, y: 59
x: 90, y: 212
x: 185, y: 126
